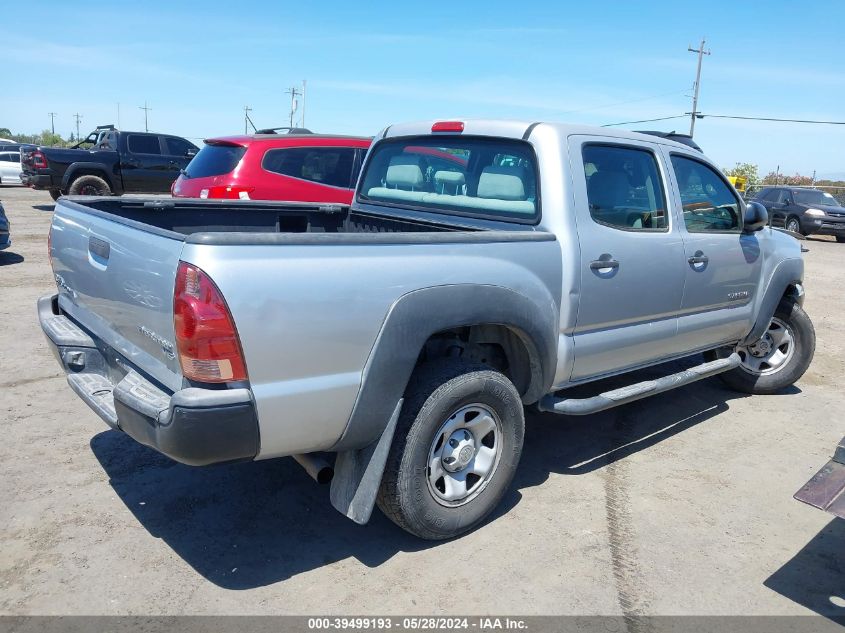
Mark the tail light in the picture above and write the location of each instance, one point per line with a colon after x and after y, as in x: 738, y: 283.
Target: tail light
x: 448, y: 126
x: 38, y: 159
x: 227, y: 192
x: 209, y: 349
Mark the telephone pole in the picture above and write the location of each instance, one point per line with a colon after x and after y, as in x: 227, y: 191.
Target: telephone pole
x: 247, y: 120
x: 146, y: 110
x: 294, y: 92
x: 303, y: 103
x: 701, y: 53
x: 53, y: 116
x: 78, y: 118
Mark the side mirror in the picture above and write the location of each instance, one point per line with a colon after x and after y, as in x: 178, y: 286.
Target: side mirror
x: 755, y: 218
x: 191, y: 152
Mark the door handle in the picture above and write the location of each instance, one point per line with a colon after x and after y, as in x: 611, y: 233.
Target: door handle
x: 601, y: 264
x: 698, y: 259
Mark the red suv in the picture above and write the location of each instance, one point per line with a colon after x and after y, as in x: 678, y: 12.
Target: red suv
x: 300, y: 167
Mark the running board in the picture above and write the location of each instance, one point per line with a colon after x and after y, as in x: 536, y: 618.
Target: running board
x: 624, y: 395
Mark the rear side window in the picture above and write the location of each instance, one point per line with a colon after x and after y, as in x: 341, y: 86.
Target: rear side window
x: 177, y: 146
x: 709, y: 204
x: 324, y: 165
x: 478, y: 177
x: 215, y: 160
x: 142, y: 144
x: 624, y: 190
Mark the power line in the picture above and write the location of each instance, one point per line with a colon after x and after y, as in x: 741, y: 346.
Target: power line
x: 764, y: 118
x: 663, y: 118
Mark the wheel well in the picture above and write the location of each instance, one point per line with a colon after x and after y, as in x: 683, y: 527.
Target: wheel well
x: 504, y: 348
x: 88, y: 171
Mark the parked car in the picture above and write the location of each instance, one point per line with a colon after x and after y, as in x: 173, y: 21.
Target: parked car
x: 5, y: 229
x: 406, y: 332
x: 117, y: 162
x: 300, y: 166
x: 804, y: 211
x: 826, y: 490
x: 10, y: 167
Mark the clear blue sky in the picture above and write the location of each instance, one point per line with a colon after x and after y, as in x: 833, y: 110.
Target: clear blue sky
x: 369, y: 64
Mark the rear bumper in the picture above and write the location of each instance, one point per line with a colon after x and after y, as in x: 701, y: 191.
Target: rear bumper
x: 193, y: 426
x: 826, y: 490
x: 41, y: 180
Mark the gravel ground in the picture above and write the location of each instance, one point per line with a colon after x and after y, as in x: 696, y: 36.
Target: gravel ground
x: 679, y: 504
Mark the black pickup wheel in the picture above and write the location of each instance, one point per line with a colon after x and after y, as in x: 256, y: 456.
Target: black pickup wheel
x: 779, y: 358
x: 456, y: 448
x: 55, y: 194
x: 89, y: 186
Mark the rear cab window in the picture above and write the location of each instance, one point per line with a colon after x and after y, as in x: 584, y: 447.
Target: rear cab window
x: 472, y: 176
x: 215, y: 159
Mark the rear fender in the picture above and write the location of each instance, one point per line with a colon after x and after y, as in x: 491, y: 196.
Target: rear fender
x: 100, y: 170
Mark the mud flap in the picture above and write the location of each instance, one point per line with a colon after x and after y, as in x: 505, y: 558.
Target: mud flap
x: 357, y: 474
x: 826, y: 490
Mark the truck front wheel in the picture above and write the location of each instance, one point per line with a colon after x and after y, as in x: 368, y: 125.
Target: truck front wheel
x: 457, y: 445
x: 779, y: 358
x: 89, y: 186
x: 55, y: 194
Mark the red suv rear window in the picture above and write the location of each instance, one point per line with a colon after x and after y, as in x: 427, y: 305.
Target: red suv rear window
x: 215, y: 160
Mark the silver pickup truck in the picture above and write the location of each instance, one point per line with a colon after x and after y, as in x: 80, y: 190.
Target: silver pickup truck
x: 483, y: 267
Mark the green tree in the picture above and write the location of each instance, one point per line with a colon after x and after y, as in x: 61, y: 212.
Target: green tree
x: 5, y: 132
x: 746, y: 170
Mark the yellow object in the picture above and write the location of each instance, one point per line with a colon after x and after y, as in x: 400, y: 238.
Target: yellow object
x: 739, y: 182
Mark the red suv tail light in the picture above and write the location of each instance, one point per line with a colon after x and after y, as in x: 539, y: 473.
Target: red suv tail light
x: 209, y: 349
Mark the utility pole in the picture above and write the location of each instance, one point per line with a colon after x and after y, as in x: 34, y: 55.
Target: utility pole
x: 701, y: 52
x: 53, y: 116
x: 78, y: 118
x: 294, y: 92
x: 247, y: 110
x: 303, y: 103
x: 118, y: 115
x: 145, y: 109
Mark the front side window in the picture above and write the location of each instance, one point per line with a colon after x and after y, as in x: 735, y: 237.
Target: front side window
x: 142, y: 144
x: 624, y: 190
x: 177, y: 146
x: 783, y: 196
x: 471, y: 176
x: 324, y: 165
x: 708, y: 203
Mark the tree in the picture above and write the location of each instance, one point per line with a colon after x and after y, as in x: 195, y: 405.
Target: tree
x: 774, y: 178
x: 5, y: 132
x: 747, y: 171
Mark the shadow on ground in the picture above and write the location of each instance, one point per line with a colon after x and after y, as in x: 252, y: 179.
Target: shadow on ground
x: 8, y: 258
x: 253, y: 524
x: 44, y: 207
x: 814, y: 576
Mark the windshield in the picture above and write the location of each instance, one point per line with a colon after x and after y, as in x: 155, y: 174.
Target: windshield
x: 215, y: 160
x: 814, y: 197
x: 461, y: 175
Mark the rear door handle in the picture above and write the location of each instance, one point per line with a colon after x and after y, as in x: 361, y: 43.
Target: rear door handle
x: 601, y: 264
x: 698, y: 259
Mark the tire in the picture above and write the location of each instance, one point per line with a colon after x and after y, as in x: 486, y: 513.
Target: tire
x: 793, y: 224
x: 840, y: 239
x: 771, y: 377
x: 444, y: 399
x: 55, y: 194
x: 89, y: 186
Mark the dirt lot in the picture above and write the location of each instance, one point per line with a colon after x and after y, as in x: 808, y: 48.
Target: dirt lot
x: 679, y: 504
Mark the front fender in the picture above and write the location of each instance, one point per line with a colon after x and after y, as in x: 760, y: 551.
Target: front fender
x: 785, y: 279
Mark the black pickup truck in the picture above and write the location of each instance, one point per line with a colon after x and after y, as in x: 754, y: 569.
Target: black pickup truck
x: 108, y: 161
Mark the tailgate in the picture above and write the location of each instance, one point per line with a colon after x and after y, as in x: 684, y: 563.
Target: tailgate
x: 115, y: 278
x: 826, y: 490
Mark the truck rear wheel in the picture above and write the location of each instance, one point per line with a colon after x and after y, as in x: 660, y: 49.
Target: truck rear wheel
x: 89, y: 186
x: 55, y: 194
x: 779, y: 358
x: 456, y: 448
